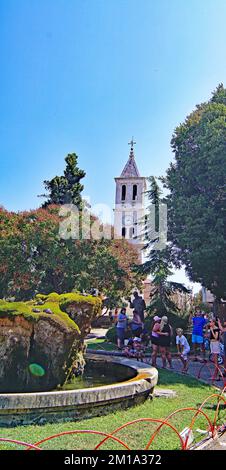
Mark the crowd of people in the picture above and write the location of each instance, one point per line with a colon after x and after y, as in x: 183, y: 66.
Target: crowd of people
x: 161, y: 337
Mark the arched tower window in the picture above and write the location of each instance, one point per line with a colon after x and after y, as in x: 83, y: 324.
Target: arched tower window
x: 123, y: 232
x: 131, y: 232
x: 123, y: 192
x: 134, y: 192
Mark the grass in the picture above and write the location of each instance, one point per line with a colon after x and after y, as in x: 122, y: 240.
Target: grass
x: 97, y: 344
x: 190, y: 393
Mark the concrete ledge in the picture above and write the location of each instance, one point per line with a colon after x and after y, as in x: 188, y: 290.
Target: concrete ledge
x: 41, y: 407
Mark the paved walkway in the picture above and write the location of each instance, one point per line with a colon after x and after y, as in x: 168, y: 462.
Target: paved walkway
x: 199, y: 370
x: 217, y: 444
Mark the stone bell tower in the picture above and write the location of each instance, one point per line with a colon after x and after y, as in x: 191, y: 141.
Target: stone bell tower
x: 129, y: 203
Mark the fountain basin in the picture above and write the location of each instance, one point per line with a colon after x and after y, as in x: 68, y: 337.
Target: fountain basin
x: 54, y: 406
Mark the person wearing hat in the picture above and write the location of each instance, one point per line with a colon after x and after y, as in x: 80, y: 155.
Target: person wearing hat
x: 134, y: 348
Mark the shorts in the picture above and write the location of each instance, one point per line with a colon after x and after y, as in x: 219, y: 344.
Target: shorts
x: 185, y: 353
x: 155, y: 340
x: 136, y: 331
x: 215, y: 347
x: 121, y: 334
x: 197, y: 339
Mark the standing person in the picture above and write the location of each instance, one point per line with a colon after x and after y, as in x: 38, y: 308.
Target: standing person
x: 155, y: 338
x: 215, y: 345
x: 198, y: 324
x: 183, y: 349
x: 115, y: 315
x: 139, y: 305
x: 111, y: 318
x: 223, y: 330
x: 121, y: 327
x: 136, y: 324
x: 165, y: 335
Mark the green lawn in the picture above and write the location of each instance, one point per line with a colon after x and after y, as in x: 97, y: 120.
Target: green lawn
x: 100, y: 344
x: 190, y: 393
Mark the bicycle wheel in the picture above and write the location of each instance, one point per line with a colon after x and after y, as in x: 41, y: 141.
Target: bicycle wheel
x: 220, y: 359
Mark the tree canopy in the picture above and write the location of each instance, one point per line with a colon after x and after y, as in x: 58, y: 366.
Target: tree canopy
x: 66, y: 189
x: 159, y: 262
x: 196, y: 181
x: 34, y: 258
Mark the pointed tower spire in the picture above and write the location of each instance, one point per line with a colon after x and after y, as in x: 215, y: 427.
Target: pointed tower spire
x: 131, y: 143
x: 130, y: 169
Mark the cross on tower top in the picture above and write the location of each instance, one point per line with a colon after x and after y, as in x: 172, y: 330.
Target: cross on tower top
x: 130, y: 170
x: 131, y: 143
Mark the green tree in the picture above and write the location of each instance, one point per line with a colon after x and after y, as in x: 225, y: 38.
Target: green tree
x: 33, y: 258
x: 66, y: 189
x: 197, y: 196
x: 159, y: 263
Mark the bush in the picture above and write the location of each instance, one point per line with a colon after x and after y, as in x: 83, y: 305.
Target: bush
x: 111, y: 335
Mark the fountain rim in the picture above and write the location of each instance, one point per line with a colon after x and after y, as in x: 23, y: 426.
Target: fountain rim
x: 146, y: 372
x: 34, y: 407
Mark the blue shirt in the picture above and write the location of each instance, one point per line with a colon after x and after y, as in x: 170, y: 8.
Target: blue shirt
x: 198, y: 325
x: 122, y: 321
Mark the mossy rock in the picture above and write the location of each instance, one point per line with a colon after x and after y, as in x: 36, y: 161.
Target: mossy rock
x: 82, y: 309
x: 25, y: 309
x: 54, y: 341
x: 53, y: 297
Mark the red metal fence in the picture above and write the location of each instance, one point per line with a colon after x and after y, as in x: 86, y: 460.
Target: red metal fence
x: 211, y: 427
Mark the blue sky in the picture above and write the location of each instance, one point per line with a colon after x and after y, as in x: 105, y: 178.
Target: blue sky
x: 85, y: 75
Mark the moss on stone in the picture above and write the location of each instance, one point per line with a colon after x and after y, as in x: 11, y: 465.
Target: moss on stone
x: 48, y: 331
x: 53, y: 297
x: 13, y: 309
x: 57, y: 303
x: 66, y: 300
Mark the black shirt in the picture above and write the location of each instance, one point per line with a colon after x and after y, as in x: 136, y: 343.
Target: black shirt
x: 215, y: 330
x: 165, y: 340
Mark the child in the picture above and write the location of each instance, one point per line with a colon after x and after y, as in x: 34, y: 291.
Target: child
x: 183, y: 349
x: 134, y: 348
x: 128, y: 350
x: 215, y: 345
x: 138, y: 348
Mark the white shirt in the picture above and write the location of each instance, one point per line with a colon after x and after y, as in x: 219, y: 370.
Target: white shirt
x: 182, y: 341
